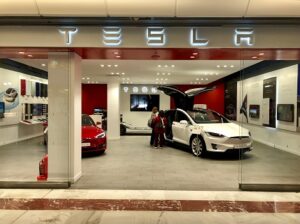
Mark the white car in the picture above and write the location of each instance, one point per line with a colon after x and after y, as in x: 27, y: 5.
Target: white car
x: 206, y: 130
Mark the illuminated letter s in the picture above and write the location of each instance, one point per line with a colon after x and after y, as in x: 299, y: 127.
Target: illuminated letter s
x: 156, y: 36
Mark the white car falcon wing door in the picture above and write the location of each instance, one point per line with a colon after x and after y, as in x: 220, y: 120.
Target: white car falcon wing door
x: 184, y: 100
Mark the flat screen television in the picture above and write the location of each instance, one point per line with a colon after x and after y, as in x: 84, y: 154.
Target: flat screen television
x: 2, y: 109
x: 285, y: 112
x: 254, y: 111
x: 139, y: 102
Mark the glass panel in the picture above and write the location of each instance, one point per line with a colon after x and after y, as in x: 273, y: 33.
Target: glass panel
x: 33, y: 95
x: 269, y: 108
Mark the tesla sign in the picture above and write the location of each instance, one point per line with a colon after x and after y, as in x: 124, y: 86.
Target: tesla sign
x: 158, y: 36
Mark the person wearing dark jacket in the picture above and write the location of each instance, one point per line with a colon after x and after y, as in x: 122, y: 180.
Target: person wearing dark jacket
x: 150, y: 122
x: 159, y: 124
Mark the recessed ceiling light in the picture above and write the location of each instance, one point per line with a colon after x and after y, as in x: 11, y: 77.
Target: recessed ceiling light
x: 202, y: 79
x: 206, y: 79
x: 163, y: 73
x: 112, y: 73
x: 21, y: 52
x: 116, y: 52
x: 197, y: 79
x: 192, y: 56
x: 218, y: 66
x: 231, y: 66
x: 43, y: 65
x: 30, y: 55
x: 83, y: 78
x: 116, y: 65
x: 195, y: 53
x: 118, y: 73
x: 159, y: 66
x: 102, y: 66
x: 157, y: 79
x: 123, y: 73
x: 261, y: 54
x: 118, y: 56
x: 166, y: 66
x: 254, y: 57
x: 87, y: 78
x: 225, y: 66
x: 108, y: 65
x: 172, y: 66
x: 161, y: 79
x: 169, y: 73
x: 166, y: 79
x: 157, y: 73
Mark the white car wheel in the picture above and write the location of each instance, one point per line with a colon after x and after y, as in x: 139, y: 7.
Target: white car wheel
x: 198, y: 146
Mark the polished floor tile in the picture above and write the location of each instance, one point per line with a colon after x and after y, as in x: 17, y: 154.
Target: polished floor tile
x: 130, y: 163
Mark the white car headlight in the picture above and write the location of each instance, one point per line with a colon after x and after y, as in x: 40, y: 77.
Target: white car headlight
x: 213, y: 134
x: 102, y: 135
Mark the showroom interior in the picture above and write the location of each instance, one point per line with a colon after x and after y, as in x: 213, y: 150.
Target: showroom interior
x: 45, y: 92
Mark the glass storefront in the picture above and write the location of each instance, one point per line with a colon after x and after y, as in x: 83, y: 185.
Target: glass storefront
x: 267, y: 102
x: 257, y: 91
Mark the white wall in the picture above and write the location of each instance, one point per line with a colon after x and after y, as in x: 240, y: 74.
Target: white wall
x: 11, y: 130
x: 283, y: 137
x: 139, y: 119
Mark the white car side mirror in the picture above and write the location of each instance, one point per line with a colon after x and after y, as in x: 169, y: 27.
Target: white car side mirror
x: 184, y: 122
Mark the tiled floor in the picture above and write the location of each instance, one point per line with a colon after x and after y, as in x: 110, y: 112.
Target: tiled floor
x: 130, y: 163
x: 230, y: 200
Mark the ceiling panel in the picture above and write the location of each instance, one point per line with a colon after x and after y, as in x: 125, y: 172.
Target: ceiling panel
x: 138, y: 8
x: 18, y: 8
x: 211, y: 8
x: 274, y: 8
x: 84, y: 8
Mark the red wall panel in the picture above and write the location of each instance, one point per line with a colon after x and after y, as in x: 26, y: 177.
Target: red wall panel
x: 93, y: 96
x: 213, y: 99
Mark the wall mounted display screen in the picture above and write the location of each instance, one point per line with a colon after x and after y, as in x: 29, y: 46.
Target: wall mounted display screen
x: 254, y: 111
x: 2, y: 109
x: 143, y: 102
x: 285, y: 112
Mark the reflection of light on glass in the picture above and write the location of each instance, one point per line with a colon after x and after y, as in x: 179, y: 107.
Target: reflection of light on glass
x: 135, y: 89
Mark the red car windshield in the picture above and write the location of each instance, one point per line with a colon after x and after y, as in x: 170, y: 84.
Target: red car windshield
x: 87, y: 121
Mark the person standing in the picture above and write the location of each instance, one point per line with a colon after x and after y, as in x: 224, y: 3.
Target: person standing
x: 150, y: 122
x: 159, y: 125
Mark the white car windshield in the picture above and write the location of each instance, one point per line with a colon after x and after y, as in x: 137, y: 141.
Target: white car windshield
x: 206, y: 116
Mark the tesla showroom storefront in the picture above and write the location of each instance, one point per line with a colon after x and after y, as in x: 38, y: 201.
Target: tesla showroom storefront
x: 150, y: 107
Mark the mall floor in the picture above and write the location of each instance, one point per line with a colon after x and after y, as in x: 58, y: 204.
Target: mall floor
x: 18, y: 206
x: 130, y: 163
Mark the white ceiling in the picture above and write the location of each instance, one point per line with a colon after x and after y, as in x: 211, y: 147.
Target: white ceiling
x: 153, y: 8
x: 152, y: 71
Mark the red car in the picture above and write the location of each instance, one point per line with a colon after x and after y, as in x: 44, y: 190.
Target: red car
x: 93, y: 138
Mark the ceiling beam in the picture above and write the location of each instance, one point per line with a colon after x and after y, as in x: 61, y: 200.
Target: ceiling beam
x: 137, y: 21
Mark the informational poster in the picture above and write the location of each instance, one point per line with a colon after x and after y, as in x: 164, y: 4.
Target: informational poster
x: 230, y: 100
x: 269, y: 92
